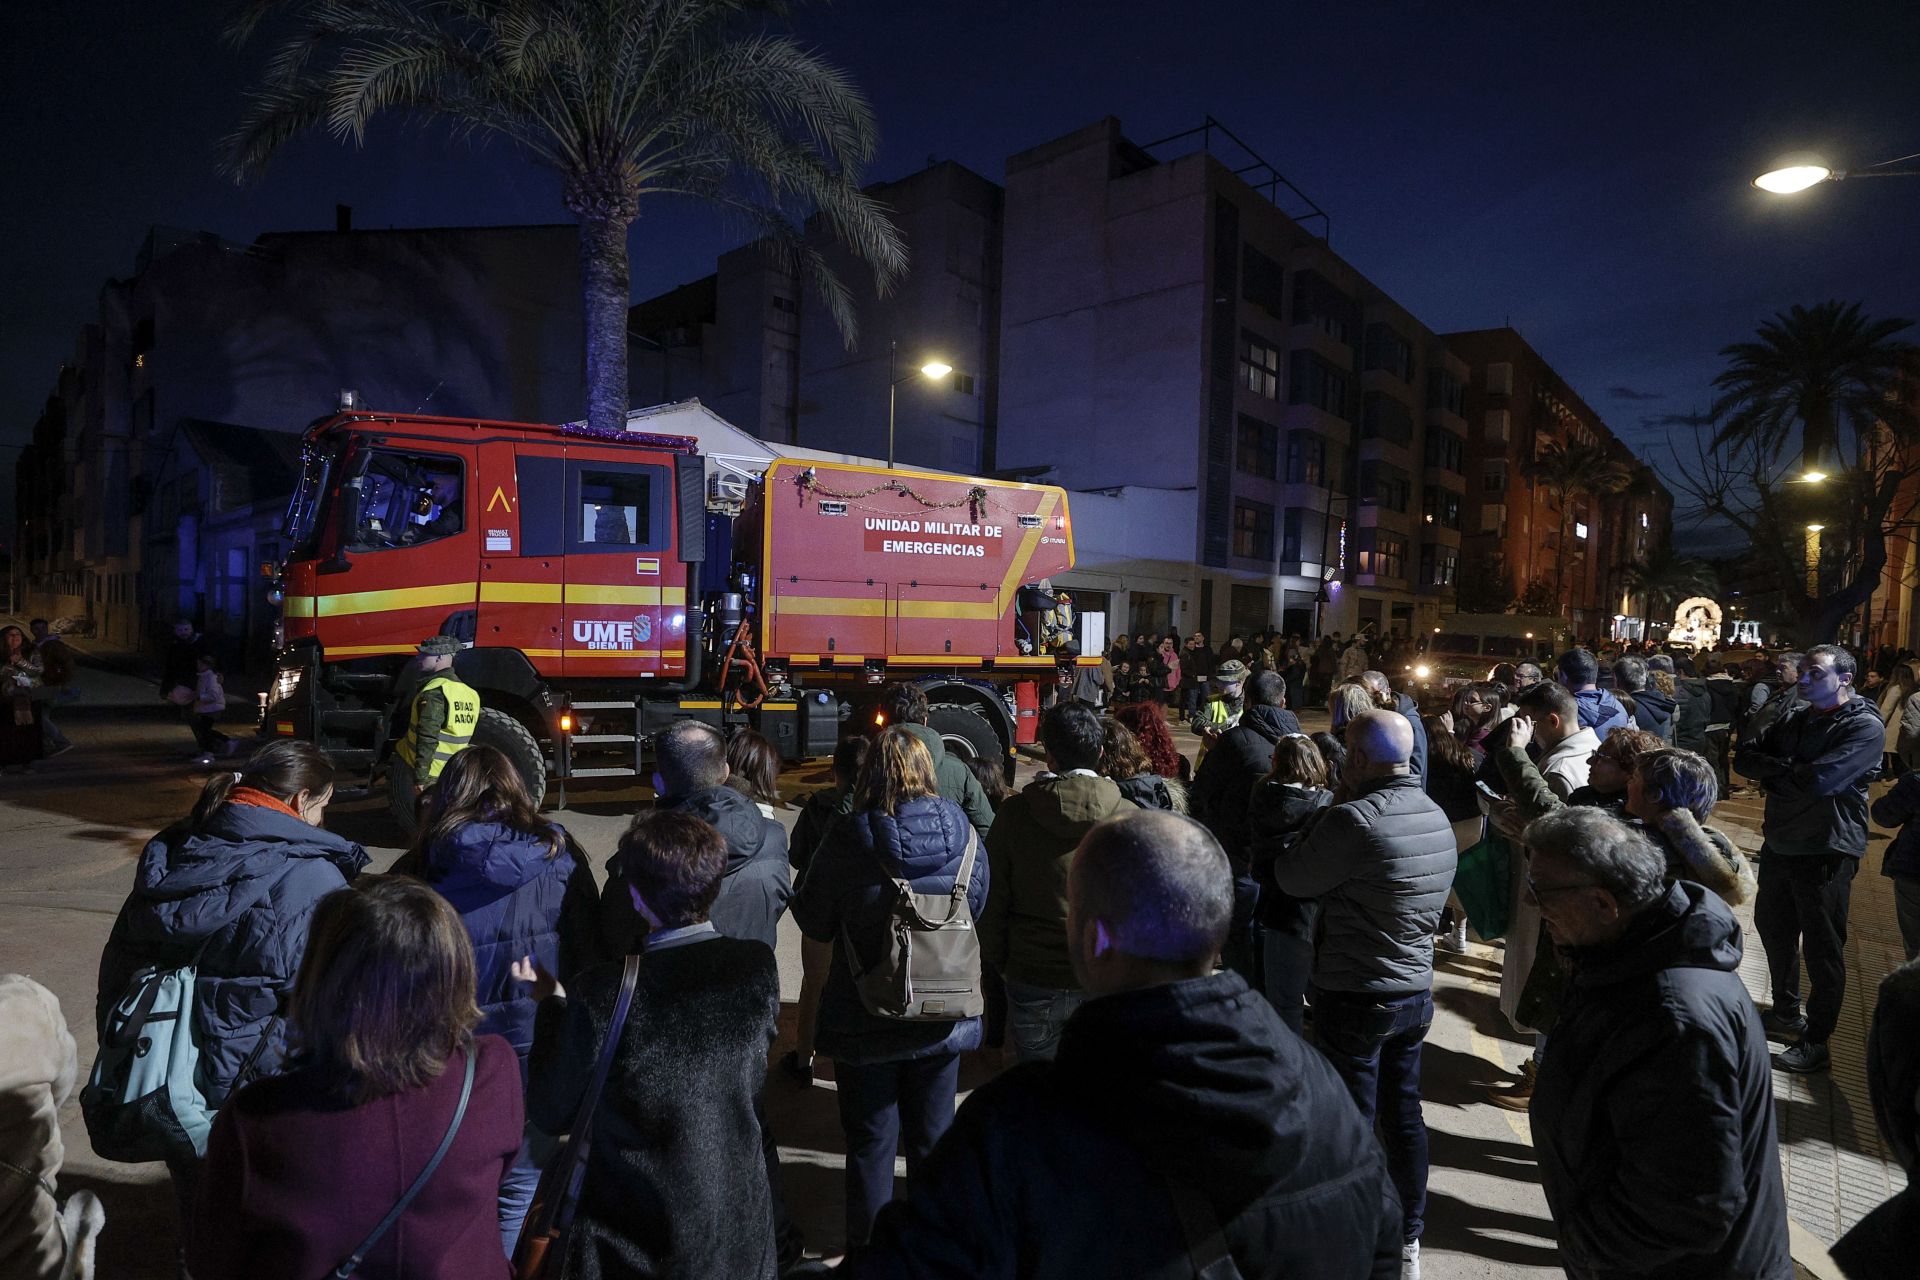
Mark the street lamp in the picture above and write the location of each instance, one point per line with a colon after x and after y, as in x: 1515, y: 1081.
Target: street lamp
x: 933, y: 369
x: 1813, y: 559
x: 1790, y: 179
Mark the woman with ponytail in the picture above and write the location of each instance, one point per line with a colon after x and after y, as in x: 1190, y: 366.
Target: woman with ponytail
x: 231, y: 891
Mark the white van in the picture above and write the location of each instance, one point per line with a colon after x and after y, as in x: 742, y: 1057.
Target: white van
x: 1467, y: 646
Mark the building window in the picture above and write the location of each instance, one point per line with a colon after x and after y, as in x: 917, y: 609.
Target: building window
x: 1387, y: 350
x: 1442, y: 507
x: 1384, y: 485
x: 1253, y: 530
x: 1382, y: 554
x: 1493, y: 518
x: 1438, y: 565
x: 1445, y: 392
x: 1446, y: 450
x: 1493, y: 475
x: 1311, y: 380
x: 1257, y: 448
x: 1384, y: 418
x: 1262, y: 282
x: 1302, y: 536
x: 1318, y: 303
x: 1307, y: 459
x: 786, y: 306
x: 1497, y: 424
x: 963, y: 383
x: 1259, y: 366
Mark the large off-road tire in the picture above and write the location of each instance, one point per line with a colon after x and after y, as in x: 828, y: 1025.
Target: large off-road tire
x: 511, y: 739
x: 967, y: 734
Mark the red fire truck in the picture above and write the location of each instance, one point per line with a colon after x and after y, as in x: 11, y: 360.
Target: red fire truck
x: 608, y: 585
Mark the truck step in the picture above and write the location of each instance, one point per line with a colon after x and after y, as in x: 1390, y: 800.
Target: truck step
x: 604, y: 773
x: 602, y: 706
x: 352, y: 717
x: 579, y: 738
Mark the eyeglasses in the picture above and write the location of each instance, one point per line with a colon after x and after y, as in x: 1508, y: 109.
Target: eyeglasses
x: 1535, y: 894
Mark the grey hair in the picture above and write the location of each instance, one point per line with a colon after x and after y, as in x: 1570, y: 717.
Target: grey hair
x: 1526, y: 669
x: 1352, y: 699
x: 1607, y: 851
x: 1630, y: 674
x: 1160, y: 882
x: 1680, y: 779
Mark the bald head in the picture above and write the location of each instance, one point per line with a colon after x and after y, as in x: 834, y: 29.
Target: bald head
x: 1381, y: 743
x: 1153, y: 887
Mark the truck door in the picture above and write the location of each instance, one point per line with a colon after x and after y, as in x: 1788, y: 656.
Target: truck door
x: 409, y: 555
x: 521, y: 499
x: 624, y: 608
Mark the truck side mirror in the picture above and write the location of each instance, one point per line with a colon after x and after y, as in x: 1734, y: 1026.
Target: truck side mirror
x: 690, y: 500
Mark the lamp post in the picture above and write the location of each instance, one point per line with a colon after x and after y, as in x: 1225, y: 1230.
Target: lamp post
x: 1792, y: 178
x: 935, y: 368
x: 1813, y: 560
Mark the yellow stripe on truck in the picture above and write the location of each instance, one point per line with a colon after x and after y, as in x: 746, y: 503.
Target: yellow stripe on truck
x: 356, y: 602
x: 596, y: 593
x: 519, y: 593
x: 830, y: 606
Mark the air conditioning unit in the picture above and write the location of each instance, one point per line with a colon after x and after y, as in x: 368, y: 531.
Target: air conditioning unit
x: 726, y: 493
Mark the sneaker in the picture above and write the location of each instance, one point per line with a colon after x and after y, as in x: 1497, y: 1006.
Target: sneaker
x: 1410, y: 1260
x: 1783, y: 1026
x: 1802, y: 1058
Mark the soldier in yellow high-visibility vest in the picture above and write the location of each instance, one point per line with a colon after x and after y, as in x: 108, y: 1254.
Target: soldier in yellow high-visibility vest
x: 445, y: 712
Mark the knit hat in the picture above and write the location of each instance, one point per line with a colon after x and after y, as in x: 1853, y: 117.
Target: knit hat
x: 1233, y: 671
x: 440, y: 646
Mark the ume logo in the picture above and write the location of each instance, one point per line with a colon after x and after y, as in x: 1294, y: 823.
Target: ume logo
x: 613, y: 635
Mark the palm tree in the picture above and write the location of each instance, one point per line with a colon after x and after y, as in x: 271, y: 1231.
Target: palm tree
x: 1569, y: 471
x: 1822, y: 369
x: 1666, y: 576
x: 624, y: 99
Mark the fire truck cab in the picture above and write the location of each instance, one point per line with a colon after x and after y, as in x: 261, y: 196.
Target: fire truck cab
x: 607, y: 584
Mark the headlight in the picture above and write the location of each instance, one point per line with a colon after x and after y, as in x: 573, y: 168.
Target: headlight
x: 1422, y: 671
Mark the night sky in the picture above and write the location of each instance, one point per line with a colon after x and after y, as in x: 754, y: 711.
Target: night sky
x: 1578, y: 170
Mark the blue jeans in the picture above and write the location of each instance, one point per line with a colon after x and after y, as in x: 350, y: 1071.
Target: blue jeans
x: 516, y: 1198
x: 889, y: 1107
x: 1035, y: 1017
x: 1374, y: 1043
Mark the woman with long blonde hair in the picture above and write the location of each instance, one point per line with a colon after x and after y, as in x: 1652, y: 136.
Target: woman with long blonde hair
x: 896, y: 1079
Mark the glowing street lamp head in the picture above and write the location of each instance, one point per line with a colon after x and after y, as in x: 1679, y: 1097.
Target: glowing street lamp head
x: 936, y: 368
x: 1795, y: 177
x: 1814, y: 477
x: 1815, y: 528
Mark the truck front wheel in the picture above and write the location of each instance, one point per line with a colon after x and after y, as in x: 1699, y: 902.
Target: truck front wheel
x: 511, y: 739
x: 967, y: 735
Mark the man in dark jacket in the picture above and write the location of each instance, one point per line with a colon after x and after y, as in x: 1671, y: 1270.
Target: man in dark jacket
x: 1652, y: 709
x: 1886, y: 1241
x: 1600, y: 711
x: 1173, y: 1086
x: 1023, y: 932
x: 690, y: 774
x: 1653, y: 1111
x: 1898, y: 809
x: 906, y: 704
x: 1380, y: 864
x: 1814, y: 766
x: 1222, y: 789
x: 1196, y: 668
x: 1383, y: 693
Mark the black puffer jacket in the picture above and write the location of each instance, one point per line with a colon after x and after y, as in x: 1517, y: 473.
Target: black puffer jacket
x: 1654, y: 711
x: 1380, y: 865
x: 1883, y: 1245
x: 1653, y: 1112
x: 1814, y: 767
x: 1224, y: 783
x: 1198, y: 1082
x: 243, y: 885
x: 1692, y: 713
x: 1898, y: 808
x: 850, y: 886
x: 1148, y: 790
x: 1279, y: 813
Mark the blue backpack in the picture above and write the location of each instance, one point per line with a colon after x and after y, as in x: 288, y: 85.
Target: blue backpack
x: 141, y: 1102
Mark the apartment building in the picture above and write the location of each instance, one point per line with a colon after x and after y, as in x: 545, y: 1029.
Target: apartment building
x: 1568, y: 547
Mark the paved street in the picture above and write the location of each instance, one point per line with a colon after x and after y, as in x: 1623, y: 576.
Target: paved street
x: 69, y: 833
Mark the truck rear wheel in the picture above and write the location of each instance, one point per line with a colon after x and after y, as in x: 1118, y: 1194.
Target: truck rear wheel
x: 511, y: 739
x: 967, y: 735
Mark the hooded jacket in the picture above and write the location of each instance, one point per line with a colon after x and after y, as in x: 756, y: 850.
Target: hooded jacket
x: 1600, y: 711
x: 1885, y: 1242
x: 1703, y: 855
x: 1276, y: 818
x: 1410, y: 711
x: 1653, y: 1112
x: 239, y: 892
x: 508, y: 892
x: 1654, y: 712
x: 1023, y: 933
x: 1148, y: 791
x: 1898, y: 808
x: 758, y: 881
x: 1380, y: 866
x: 1223, y: 785
x: 846, y: 896
x: 1197, y: 1082
x: 1814, y: 768
x: 957, y: 782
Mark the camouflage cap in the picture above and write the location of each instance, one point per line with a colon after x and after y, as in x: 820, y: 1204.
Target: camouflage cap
x: 440, y: 646
x: 1232, y: 671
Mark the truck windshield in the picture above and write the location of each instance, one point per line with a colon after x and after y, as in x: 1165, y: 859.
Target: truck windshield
x: 306, y: 513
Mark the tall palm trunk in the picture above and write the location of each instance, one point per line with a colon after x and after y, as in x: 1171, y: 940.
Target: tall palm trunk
x: 604, y: 295
x: 1560, y: 563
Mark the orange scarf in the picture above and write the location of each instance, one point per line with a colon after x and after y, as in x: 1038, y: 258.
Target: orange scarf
x: 255, y: 796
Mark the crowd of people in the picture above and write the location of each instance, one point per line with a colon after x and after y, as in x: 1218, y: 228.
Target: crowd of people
x: 1212, y: 980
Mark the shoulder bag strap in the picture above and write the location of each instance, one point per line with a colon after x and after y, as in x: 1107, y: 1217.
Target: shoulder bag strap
x: 574, y: 1158
x: 354, y: 1259
x: 1200, y: 1226
x: 961, y: 881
